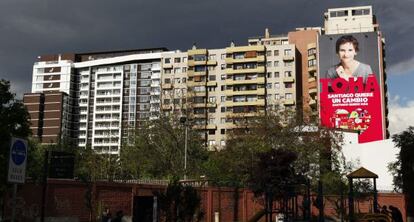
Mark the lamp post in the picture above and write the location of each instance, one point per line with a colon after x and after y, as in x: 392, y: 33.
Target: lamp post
x: 184, y: 121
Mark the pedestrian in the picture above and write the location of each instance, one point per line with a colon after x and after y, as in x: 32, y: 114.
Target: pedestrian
x: 106, y: 215
x: 118, y: 217
x: 384, y: 210
x: 395, y: 214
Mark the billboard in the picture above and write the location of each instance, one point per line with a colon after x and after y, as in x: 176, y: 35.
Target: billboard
x: 350, y: 84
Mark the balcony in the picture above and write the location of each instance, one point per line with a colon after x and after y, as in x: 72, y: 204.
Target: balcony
x: 311, y: 79
x: 289, y: 102
x: 312, y: 69
x: 245, y: 60
x: 197, y: 52
x: 245, y: 92
x: 212, y: 83
x: 289, y: 79
x: 260, y: 80
x: 312, y: 103
x: 288, y: 58
x: 260, y: 69
x: 166, y: 86
x: 192, y: 73
x: 166, y: 107
x: 259, y: 102
x: 167, y: 66
x: 313, y: 91
x: 197, y: 63
x: 245, y: 49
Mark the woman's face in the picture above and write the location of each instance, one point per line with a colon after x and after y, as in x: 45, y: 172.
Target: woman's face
x: 346, y: 52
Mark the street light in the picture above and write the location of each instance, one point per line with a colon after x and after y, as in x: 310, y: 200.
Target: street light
x: 183, y: 120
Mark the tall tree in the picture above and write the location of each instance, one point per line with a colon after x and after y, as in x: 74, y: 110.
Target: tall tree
x: 14, y: 121
x: 158, y: 151
x: 404, y: 167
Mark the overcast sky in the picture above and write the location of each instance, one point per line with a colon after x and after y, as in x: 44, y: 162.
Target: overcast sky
x: 29, y: 28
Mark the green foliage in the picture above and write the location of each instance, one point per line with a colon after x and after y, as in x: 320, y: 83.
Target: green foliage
x: 13, y: 122
x: 403, y: 168
x: 179, y: 203
x: 158, y: 151
x: 273, y: 172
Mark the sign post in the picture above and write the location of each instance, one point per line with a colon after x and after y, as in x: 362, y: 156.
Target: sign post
x: 17, y: 167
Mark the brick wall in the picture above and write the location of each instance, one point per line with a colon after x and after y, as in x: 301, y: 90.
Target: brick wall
x: 66, y: 198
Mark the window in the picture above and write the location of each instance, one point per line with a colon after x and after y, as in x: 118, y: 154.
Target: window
x: 269, y: 75
x: 268, y: 53
x: 222, y: 88
x: 167, y: 101
x: 339, y: 13
x: 176, y: 101
x: 276, y: 52
x: 211, y: 120
x: 268, y: 85
x: 277, y: 85
x: 212, y: 78
x: 199, y: 68
x: 177, y: 80
x: 184, y: 80
x: 277, y: 96
x: 184, y: 69
x: 223, y: 109
x: 212, y: 99
x: 211, y: 142
x: 311, y: 62
x: 177, y: 60
x: 223, y: 98
x: 288, y: 52
x: 223, y: 77
x: 288, y: 85
x: 184, y: 59
x: 212, y: 132
x: 288, y: 73
x: 360, y: 12
x: 223, y: 131
x: 167, y: 71
x: 277, y: 75
x: 268, y: 64
x: 167, y: 60
x: 222, y: 142
x: 167, y: 81
x: 276, y: 63
x: 311, y: 51
x: 212, y: 57
x: 177, y: 70
x: 222, y: 120
x: 288, y: 96
x: 223, y: 66
x: 288, y: 64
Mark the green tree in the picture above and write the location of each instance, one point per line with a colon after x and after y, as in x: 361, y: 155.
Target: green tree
x: 158, y: 151
x: 14, y: 121
x: 179, y: 203
x: 403, y: 168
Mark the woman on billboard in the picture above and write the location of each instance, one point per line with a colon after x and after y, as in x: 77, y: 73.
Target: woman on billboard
x: 347, y: 49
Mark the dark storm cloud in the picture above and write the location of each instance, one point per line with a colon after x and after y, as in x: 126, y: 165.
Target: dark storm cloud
x: 30, y: 28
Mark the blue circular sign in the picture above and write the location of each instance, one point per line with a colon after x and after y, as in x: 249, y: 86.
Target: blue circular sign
x: 18, y: 152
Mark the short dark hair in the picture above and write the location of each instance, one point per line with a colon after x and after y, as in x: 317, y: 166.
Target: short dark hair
x: 345, y: 39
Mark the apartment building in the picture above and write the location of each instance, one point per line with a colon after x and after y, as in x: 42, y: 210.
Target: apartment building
x: 104, y: 96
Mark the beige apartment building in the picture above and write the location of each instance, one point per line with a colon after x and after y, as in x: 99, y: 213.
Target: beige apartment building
x: 218, y: 90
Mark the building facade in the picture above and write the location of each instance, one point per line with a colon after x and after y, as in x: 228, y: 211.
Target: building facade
x: 106, y: 96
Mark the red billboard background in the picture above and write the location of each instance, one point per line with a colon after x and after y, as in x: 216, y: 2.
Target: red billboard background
x: 355, y: 103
